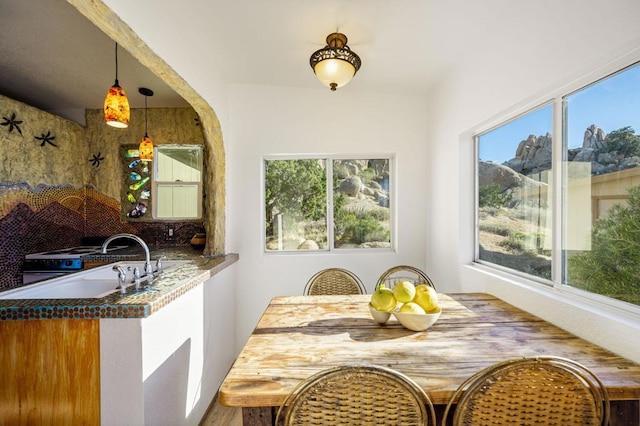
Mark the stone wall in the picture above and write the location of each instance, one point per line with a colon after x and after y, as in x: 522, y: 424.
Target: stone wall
x: 39, y: 148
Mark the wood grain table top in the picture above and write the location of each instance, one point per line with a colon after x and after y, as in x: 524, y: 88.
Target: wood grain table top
x: 298, y: 336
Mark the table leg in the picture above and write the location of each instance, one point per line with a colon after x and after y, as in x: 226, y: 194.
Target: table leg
x: 258, y: 416
x: 625, y: 413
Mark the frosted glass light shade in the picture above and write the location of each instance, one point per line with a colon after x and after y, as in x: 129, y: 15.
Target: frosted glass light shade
x: 335, y: 64
x: 116, y: 107
x: 334, y: 73
x: 146, y: 148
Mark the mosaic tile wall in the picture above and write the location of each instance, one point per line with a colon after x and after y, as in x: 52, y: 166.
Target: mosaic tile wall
x: 46, y: 218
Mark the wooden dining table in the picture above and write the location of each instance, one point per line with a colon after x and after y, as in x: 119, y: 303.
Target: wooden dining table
x: 298, y: 336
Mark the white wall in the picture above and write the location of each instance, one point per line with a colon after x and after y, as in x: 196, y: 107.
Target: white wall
x: 269, y: 120
x: 479, y: 93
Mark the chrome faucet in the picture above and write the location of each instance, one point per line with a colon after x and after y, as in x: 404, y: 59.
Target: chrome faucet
x: 148, y: 269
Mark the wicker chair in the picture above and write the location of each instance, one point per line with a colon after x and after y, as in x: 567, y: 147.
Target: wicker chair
x: 357, y: 395
x: 403, y: 272
x: 527, y: 391
x: 334, y: 281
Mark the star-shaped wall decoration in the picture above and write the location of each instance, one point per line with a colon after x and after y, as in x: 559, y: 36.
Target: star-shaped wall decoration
x: 46, y: 139
x: 95, y: 161
x: 12, y: 123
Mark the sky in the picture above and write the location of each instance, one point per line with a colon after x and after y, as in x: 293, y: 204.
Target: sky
x: 610, y: 104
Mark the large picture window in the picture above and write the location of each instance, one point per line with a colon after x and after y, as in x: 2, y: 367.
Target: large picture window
x: 597, y: 222
x: 326, y: 204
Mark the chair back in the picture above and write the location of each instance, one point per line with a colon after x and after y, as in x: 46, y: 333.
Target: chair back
x: 357, y: 395
x: 402, y: 273
x: 334, y: 281
x: 528, y: 391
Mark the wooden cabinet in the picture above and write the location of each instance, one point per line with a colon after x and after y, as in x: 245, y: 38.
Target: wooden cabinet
x: 49, y: 372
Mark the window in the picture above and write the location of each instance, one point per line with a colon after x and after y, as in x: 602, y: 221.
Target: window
x: 597, y: 157
x: 601, y: 252
x: 177, y: 183
x: 514, y: 194
x: 303, y: 195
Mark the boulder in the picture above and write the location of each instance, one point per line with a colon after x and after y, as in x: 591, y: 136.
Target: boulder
x: 490, y: 173
x: 351, y: 186
x: 308, y: 245
x: 594, y: 138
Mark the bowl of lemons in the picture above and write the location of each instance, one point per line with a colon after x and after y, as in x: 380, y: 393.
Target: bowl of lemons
x: 414, y: 306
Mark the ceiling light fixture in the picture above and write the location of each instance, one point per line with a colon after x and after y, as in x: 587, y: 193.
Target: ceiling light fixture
x: 116, y: 104
x: 335, y: 64
x: 146, y: 145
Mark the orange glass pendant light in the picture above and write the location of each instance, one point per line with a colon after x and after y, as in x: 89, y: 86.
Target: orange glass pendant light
x: 116, y: 104
x: 146, y: 145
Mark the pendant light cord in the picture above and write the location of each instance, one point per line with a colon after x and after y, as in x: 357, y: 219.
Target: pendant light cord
x: 146, y: 135
x: 116, y: 64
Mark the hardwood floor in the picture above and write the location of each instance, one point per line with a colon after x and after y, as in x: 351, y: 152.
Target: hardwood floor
x: 219, y: 415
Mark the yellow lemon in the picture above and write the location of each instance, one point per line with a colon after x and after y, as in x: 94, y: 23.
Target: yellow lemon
x: 412, y: 308
x: 404, y: 291
x: 435, y: 310
x: 426, y: 297
x: 383, y: 300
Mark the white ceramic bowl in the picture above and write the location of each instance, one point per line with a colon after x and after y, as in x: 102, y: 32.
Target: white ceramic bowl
x: 380, y: 317
x: 417, y: 322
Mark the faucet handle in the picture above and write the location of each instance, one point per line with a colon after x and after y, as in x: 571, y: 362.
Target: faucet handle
x: 136, y: 273
x: 122, y: 274
x: 122, y: 277
x: 159, y: 263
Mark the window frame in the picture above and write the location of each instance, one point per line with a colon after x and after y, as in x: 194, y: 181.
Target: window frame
x: 155, y: 184
x: 555, y: 97
x: 329, y: 159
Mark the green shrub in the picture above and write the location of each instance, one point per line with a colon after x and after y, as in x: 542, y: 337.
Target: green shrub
x: 491, y: 196
x: 513, y: 242
x: 612, y: 266
x: 624, y: 141
x: 358, y: 227
x: 496, y: 228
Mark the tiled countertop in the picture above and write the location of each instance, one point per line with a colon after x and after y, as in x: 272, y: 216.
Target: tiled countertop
x: 166, y: 288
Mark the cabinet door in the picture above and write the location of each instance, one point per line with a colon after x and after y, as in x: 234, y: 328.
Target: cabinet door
x: 50, y: 372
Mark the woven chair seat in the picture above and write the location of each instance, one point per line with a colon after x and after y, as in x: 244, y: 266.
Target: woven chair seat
x: 334, y: 281
x: 401, y: 273
x: 531, y: 391
x: 357, y: 395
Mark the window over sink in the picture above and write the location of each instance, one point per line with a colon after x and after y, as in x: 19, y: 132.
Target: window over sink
x: 167, y: 188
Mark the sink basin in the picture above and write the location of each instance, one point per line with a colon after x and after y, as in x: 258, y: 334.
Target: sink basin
x: 90, y: 284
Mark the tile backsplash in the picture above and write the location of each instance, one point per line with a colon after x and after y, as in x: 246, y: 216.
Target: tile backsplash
x: 46, y: 218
